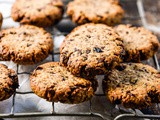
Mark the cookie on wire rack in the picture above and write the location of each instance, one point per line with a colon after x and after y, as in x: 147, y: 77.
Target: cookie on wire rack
x: 25, y: 45
x: 54, y: 83
x: 8, y: 82
x: 37, y: 12
x: 139, y: 43
x: 91, y: 49
x: 95, y: 11
x: 134, y: 85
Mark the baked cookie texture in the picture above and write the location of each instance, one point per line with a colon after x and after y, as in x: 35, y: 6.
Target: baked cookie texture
x: 91, y: 49
x: 139, y: 43
x: 95, y: 11
x: 1, y: 20
x: 134, y: 85
x: 8, y: 82
x: 25, y: 45
x: 54, y: 83
x: 40, y: 13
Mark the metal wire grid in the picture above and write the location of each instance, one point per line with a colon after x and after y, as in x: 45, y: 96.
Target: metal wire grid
x: 12, y: 113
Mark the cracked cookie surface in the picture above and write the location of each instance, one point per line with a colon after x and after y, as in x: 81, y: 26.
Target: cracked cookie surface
x: 54, y: 83
x: 25, y: 45
x: 134, y: 85
x: 8, y: 82
x: 95, y: 11
x: 91, y: 49
x: 139, y: 43
x: 40, y: 13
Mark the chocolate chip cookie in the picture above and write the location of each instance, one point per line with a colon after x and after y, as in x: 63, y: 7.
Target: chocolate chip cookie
x: 1, y: 20
x: 139, y: 43
x: 133, y: 85
x: 40, y: 13
x: 25, y: 45
x: 54, y: 83
x: 91, y: 49
x: 8, y: 82
x: 95, y: 11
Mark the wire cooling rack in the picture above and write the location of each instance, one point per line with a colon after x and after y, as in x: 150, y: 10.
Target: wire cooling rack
x: 91, y: 113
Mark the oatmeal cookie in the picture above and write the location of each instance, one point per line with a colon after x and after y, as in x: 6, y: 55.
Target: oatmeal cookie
x: 91, y: 49
x: 8, y: 82
x: 139, y: 43
x: 95, y: 11
x: 25, y: 45
x: 54, y: 83
x: 40, y: 13
x: 134, y: 85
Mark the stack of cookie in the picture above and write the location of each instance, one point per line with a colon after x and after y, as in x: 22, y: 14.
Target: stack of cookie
x: 94, y: 49
x: 88, y: 50
x: 134, y: 85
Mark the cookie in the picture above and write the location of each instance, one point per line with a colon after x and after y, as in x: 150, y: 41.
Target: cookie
x: 1, y: 20
x: 54, y: 83
x: 25, y: 45
x: 8, y: 82
x: 40, y: 13
x: 139, y: 43
x: 134, y: 85
x: 91, y: 49
x: 95, y: 11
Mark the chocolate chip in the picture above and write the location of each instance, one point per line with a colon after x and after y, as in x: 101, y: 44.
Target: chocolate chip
x: 52, y: 72
x: 24, y: 33
x: 133, y: 81
x: 88, y: 51
x: 107, y: 12
x: 98, y: 50
x: 71, y: 39
x: 63, y: 79
x: 28, y: 44
x: 121, y: 67
x: 102, y: 47
x: 49, y: 17
x: 88, y: 36
x: 39, y: 9
x: 11, y: 32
